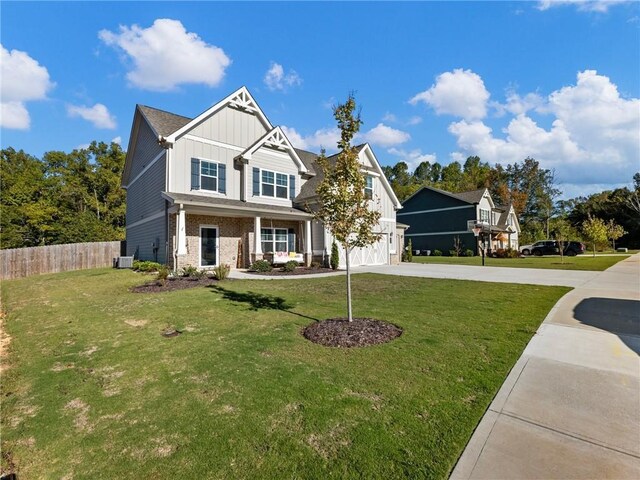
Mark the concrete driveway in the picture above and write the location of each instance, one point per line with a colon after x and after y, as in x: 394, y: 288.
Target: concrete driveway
x: 532, y: 276
x: 570, y: 408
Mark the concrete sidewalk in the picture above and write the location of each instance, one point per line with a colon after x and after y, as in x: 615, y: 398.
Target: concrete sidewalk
x: 570, y: 408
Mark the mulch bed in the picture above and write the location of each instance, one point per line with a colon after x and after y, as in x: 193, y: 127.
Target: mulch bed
x: 179, y: 283
x: 276, y: 272
x: 361, y: 332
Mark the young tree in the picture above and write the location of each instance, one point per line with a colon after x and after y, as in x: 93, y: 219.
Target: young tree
x: 614, y: 232
x: 343, y: 206
x: 595, y: 231
x: 562, y: 233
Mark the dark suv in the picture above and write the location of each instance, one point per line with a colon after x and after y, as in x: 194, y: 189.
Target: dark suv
x: 551, y: 247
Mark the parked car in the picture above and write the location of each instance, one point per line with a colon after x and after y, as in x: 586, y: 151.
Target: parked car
x: 552, y: 247
x: 526, y: 249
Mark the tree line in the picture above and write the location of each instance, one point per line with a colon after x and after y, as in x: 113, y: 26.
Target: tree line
x: 76, y: 197
x: 62, y: 197
x: 534, y: 194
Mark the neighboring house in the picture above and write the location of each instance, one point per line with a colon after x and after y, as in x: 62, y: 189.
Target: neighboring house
x: 437, y: 217
x: 227, y: 187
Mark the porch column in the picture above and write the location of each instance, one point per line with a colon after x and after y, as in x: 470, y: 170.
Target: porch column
x: 257, y: 247
x: 308, y: 251
x: 182, y: 232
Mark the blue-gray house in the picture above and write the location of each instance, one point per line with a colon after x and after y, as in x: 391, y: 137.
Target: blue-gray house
x: 436, y: 218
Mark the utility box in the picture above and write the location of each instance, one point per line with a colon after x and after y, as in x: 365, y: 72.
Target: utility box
x: 124, y: 262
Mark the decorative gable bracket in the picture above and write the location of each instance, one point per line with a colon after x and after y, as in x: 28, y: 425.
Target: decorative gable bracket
x: 243, y: 101
x: 273, y: 139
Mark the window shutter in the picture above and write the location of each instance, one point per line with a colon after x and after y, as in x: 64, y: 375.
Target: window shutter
x: 292, y: 187
x: 222, y: 178
x: 256, y: 182
x: 292, y: 240
x: 195, y: 174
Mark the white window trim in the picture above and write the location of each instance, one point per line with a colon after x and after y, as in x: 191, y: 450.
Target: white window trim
x: 217, y: 177
x: 372, y: 186
x: 275, y: 184
x: 488, y: 215
x: 273, y: 242
x: 200, y: 246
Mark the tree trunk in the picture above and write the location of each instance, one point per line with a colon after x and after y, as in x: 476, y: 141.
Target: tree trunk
x: 594, y: 249
x: 349, y: 313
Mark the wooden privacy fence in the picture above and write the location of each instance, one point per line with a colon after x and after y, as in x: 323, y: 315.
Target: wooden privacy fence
x: 24, y: 262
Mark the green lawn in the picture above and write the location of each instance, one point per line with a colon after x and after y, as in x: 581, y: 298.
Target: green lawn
x: 94, y: 391
x: 581, y: 262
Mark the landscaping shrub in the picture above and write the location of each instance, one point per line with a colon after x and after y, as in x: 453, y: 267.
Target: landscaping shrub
x: 436, y: 253
x: 316, y: 265
x: 408, y: 253
x: 189, y: 271
x: 453, y: 253
x: 163, y: 274
x: 221, y: 272
x: 468, y: 253
x: 500, y: 253
x: 146, y: 266
x: 290, y: 266
x: 334, y: 262
x: 512, y: 253
x: 261, y: 266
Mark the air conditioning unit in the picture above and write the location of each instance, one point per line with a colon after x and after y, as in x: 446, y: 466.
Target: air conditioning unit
x: 124, y: 262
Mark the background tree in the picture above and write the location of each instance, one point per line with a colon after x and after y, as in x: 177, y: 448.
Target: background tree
x: 562, y: 232
x: 343, y: 207
x: 595, y: 231
x: 614, y: 232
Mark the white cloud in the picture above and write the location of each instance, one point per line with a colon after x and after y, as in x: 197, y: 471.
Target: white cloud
x: 389, y: 117
x: 117, y: 140
x: 98, y: 115
x: 326, y: 138
x: 599, y: 6
x: 517, y: 104
x: 23, y: 80
x: 412, y: 158
x: 593, y: 138
x: 384, y: 136
x: 415, y: 120
x: 165, y: 55
x: 276, y: 79
x: 461, y: 93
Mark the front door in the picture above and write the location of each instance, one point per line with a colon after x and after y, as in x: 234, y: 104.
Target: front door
x: 208, y: 246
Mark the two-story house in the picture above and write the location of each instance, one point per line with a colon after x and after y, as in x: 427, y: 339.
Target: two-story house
x: 227, y: 187
x: 437, y: 217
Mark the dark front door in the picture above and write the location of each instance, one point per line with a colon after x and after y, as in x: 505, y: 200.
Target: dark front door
x: 208, y: 246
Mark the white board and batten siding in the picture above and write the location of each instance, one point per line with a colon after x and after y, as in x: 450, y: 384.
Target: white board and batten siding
x: 231, y: 126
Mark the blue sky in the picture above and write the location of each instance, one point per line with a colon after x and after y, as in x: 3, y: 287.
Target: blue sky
x: 555, y: 80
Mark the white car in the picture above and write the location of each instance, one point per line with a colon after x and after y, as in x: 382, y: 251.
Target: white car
x: 526, y: 249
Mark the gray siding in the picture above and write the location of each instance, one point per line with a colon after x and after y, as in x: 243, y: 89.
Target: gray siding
x: 232, y: 126
x: 143, y: 196
x: 180, y: 175
x: 140, y: 240
x: 146, y: 149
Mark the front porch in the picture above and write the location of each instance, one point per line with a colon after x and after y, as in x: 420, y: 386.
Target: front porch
x: 237, y: 235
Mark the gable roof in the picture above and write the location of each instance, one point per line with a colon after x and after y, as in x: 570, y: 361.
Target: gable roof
x: 277, y: 138
x: 162, y: 122
x: 240, y: 99
x: 473, y: 196
x: 308, y: 158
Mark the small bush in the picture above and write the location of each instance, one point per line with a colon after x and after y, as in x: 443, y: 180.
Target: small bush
x: 316, y: 265
x: 189, y: 271
x: 290, y: 266
x: 453, y: 253
x: 163, y: 274
x: 261, y: 266
x: 146, y: 266
x: 500, y: 253
x: 468, y: 253
x: 436, y: 253
x: 512, y: 253
x: 409, y: 256
x: 334, y: 262
x: 221, y: 272
x: 198, y: 274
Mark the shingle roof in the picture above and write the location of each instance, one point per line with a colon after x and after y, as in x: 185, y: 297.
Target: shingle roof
x: 189, y: 198
x: 473, y: 196
x: 309, y: 160
x: 164, y: 123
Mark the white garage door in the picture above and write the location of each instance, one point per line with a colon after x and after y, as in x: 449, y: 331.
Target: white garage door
x: 376, y: 254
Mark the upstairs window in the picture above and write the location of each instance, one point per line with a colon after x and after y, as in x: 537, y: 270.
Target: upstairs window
x: 209, y: 176
x: 274, y: 184
x: 484, y: 215
x: 368, y: 187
